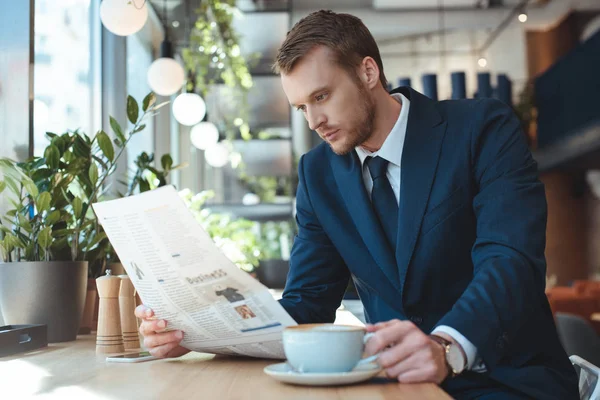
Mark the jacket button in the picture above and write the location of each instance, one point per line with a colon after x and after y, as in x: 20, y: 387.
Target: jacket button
x: 416, y: 320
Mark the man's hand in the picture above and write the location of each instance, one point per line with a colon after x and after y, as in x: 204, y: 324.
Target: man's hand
x: 159, y: 344
x: 407, y: 354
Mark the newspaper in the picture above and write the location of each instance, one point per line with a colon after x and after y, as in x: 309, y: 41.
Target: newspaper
x: 188, y: 281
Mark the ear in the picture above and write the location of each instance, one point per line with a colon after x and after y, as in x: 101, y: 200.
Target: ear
x: 369, y: 72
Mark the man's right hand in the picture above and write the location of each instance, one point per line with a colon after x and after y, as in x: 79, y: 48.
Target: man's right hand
x: 159, y: 343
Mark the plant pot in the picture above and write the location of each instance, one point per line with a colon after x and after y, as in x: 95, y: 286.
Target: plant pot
x: 51, y: 293
x: 273, y: 273
x: 91, y: 299
x: 116, y: 269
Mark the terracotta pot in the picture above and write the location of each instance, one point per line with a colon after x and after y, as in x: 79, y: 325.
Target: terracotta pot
x: 88, y: 322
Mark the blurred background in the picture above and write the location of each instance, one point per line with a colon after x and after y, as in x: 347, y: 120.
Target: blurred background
x: 69, y: 65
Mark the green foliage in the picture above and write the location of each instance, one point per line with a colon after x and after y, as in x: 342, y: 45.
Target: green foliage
x: 237, y: 237
x: 50, y: 218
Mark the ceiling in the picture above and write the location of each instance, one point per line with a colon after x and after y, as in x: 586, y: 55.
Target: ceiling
x: 181, y: 11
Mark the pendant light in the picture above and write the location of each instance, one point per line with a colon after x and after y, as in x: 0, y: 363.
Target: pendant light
x: 204, y: 134
x: 165, y: 75
x: 123, y: 17
x: 189, y: 108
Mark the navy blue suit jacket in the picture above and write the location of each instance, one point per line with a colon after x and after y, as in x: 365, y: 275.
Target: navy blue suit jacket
x: 470, y: 246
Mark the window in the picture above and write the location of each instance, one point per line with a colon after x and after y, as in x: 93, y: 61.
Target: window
x: 64, y: 54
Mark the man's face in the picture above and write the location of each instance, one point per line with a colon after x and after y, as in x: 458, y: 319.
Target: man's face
x: 336, y: 105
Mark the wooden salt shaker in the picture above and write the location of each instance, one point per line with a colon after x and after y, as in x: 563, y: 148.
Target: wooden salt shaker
x: 109, y: 338
x: 129, y: 325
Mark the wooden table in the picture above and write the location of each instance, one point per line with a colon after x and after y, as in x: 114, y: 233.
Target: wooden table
x: 73, y: 371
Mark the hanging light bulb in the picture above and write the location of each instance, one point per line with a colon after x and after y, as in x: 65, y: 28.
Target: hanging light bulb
x: 523, y: 17
x: 217, y: 155
x: 123, y: 17
x: 204, y: 135
x: 189, y: 109
x: 482, y: 62
x: 165, y: 75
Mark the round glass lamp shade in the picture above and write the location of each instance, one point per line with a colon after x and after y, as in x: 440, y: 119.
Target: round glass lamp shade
x: 165, y: 76
x: 189, y: 109
x: 217, y: 155
x: 123, y: 17
x: 204, y: 135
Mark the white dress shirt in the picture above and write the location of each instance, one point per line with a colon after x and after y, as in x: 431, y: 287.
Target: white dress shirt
x: 391, y: 150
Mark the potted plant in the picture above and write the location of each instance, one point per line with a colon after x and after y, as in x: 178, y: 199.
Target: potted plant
x: 50, y: 234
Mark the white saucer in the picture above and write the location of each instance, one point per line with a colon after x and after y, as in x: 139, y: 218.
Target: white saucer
x: 284, y: 373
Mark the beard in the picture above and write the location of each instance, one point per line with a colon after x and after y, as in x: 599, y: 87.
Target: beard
x: 362, y: 125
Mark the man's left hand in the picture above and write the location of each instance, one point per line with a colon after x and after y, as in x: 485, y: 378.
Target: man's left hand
x: 407, y: 354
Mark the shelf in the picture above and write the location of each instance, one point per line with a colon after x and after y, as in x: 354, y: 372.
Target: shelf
x: 258, y: 212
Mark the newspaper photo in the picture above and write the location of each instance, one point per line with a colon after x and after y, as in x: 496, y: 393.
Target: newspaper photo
x: 188, y: 281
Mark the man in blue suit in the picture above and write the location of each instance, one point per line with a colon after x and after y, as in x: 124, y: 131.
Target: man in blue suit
x: 433, y: 209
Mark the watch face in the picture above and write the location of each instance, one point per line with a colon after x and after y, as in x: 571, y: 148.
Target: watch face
x: 455, y: 359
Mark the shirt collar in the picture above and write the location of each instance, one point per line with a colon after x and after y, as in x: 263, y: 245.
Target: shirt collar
x: 391, y: 150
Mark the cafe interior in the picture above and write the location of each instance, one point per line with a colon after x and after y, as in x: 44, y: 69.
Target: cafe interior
x: 182, y: 94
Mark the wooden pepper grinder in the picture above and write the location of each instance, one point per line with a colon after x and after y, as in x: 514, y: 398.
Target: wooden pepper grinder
x: 129, y: 325
x: 109, y: 338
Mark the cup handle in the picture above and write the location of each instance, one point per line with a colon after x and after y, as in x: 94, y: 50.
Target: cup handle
x: 372, y: 358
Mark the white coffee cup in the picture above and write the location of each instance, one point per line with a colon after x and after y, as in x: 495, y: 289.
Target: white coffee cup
x: 325, y: 347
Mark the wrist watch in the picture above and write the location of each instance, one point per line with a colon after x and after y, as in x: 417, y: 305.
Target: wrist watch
x: 456, y: 360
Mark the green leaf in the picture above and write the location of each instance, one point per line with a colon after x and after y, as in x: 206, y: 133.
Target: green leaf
x: 133, y: 110
x: 53, y: 217
x: 117, y: 129
x: 149, y: 101
x: 52, y: 156
x: 68, y: 156
x: 24, y: 223
x: 106, y: 145
x: 77, y: 207
x: 29, y: 251
x: 62, y: 232
x: 43, y: 202
x: 2, y: 186
x: 81, y: 148
x: 167, y: 162
x: 51, y: 135
x: 139, y: 128
x: 93, y: 174
x: 30, y: 186
x: 96, y: 240
x: 10, y: 182
x: 59, y: 143
x: 45, y: 237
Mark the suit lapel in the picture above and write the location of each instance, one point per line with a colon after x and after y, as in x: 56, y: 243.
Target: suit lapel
x: 348, y: 175
x: 420, y: 156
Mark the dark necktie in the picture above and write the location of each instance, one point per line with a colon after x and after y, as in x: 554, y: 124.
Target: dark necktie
x: 383, y: 198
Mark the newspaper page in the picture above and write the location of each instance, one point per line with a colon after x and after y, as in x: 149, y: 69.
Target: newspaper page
x: 187, y: 280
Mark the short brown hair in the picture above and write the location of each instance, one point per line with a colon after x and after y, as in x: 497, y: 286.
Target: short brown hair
x: 345, y: 34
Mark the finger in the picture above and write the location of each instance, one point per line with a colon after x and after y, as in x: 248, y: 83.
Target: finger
x: 392, y: 333
x: 412, y: 343
x: 164, y: 350
x: 161, y: 339
x: 413, y: 362
x: 424, y: 374
x: 142, y: 311
x: 150, y: 327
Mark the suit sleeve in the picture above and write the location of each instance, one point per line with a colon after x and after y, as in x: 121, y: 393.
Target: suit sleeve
x: 508, y: 254
x: 318, y: 276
